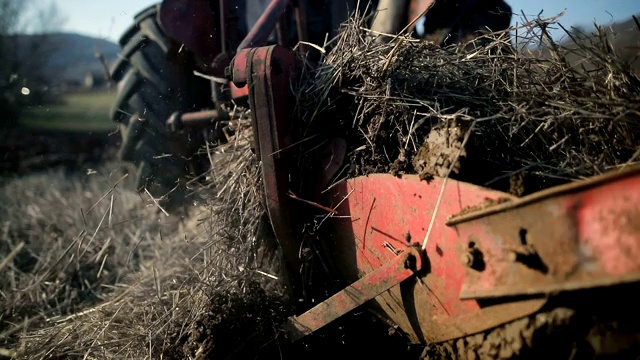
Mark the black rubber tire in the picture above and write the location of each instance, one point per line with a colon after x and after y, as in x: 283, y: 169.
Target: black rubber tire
x: 155, y: 79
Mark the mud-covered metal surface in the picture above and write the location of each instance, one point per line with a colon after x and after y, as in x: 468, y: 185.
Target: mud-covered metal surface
x: 582, y: 235
x: 582, y: 325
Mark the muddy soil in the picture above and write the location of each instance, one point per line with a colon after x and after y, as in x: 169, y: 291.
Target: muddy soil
x: 441, y: 151
x: 250, y: 328
x: 595, y: 324
x: 558, y: 334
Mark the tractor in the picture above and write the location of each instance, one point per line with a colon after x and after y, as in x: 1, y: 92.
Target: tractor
x: 465, y: 271
x: 170, y: 41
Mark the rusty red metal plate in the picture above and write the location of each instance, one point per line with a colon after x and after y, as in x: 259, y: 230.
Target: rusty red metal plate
x: 267, y: 72
x: 381, y: 215
x: 399, y: 269
x: 240, y: 73
x: 583, y: 235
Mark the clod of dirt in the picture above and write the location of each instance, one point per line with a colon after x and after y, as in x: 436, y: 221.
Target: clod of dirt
x: 237, y: 325
x: 441, y: 151
x: 486, y: 203
x: 517, y: 338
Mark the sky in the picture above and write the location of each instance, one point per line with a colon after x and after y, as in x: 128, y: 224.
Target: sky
x: 108, y: 19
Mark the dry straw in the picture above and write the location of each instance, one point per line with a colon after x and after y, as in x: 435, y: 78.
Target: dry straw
x: 135, y: 284
x: 544, y: 112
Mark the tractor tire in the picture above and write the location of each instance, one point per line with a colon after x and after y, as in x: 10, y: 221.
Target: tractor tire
x: 155, y: 80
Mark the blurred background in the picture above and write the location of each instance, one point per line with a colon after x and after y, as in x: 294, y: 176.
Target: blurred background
x: 53, y: 56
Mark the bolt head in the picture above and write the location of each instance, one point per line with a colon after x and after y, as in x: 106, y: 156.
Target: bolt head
x: 467, y: 259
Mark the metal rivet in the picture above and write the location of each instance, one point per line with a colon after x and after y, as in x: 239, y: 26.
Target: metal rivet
x: 467, y: 259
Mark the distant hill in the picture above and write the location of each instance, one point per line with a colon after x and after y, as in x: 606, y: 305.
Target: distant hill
x: 78, y: 54
x: 72, y: 56
x: 628, y: 30
x: 624, y: 33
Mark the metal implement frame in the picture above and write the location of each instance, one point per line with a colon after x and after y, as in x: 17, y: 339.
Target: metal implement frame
x: 266, y: 73
x: 380, y: 215
x: 404, y: 266
x: 491, y: 266
x: 581, y: 235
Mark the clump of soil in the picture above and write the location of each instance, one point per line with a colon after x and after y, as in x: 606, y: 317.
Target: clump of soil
x: 241, y: 323
x: 574, y: 330
x: 439, y: 153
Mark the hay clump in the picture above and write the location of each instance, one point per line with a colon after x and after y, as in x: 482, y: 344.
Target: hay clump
x: 531, y: 119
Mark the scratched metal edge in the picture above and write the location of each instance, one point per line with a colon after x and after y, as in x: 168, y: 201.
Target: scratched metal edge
x: 566, y: 189
x: 550, y: 289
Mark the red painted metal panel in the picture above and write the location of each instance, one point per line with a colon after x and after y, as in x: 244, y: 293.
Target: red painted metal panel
x: 583, y: 235
x: 381, y: 215
x: 385, y: 210
x: 608, y: 220
x: 267, y: 72
x: 240, y: 72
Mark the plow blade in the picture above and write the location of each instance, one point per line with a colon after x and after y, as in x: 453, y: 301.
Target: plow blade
x: 496, y: 263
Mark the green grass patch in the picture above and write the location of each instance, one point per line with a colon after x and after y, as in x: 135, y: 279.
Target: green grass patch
x: 87, y: 111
